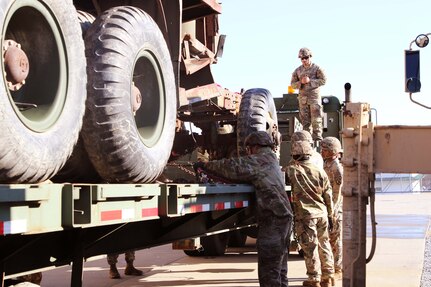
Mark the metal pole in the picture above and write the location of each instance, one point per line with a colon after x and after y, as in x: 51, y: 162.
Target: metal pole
x: 355, y: 192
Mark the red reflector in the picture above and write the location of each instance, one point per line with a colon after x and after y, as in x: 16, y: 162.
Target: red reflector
x: 110, y: 215
x: 196, y: 208
x: 146, y: 212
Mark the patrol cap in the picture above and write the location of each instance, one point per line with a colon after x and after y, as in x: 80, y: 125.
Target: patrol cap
x: 332, y: 144
x: 304, y: 52
x: 261, y: 138
x: 301, y: 135
x: 301, y: 148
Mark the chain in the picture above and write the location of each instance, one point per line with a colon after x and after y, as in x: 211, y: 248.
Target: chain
x: 182, y: 167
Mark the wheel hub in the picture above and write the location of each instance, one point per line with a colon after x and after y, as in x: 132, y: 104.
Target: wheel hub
x: 136, y: 98
x: 16, y: 65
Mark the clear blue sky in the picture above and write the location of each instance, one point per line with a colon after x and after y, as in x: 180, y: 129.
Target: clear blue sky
x: 360, y: 42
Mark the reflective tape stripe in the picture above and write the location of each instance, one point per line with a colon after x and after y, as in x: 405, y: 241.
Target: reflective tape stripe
x: 147, y: 212
x: 117, y: 214
x: 13, y: 227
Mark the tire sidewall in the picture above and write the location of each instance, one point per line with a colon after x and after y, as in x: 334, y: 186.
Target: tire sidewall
x: 28, y: 156
x: 255, y: 108
x: 125, y: 157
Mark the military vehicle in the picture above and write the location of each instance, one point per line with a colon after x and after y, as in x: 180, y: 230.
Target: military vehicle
x: 104, y: 106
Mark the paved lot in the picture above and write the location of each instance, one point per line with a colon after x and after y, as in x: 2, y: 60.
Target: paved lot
x: 403, y: 224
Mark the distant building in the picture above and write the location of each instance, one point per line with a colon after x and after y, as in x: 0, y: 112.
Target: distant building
x: 397, y: 182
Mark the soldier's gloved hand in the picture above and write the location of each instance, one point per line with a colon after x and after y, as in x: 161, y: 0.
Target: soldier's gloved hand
x: 330, y: 224
x: 198, y: 166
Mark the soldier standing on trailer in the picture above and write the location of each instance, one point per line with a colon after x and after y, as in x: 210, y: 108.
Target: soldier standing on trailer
x: 308, y: 78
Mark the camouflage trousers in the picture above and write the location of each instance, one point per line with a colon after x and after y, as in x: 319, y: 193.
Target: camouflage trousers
x: 336, y: 242
x: 128, y: 255
x: 313, y: 237
x: 272, y: 250
x: 310, y: 116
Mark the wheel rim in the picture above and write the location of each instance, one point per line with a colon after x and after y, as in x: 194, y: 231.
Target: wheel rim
x: 38, y: 104
x: 150, y: 117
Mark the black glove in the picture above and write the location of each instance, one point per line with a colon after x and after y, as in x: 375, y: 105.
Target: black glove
x: 330, y: 224
x: 198, y: 166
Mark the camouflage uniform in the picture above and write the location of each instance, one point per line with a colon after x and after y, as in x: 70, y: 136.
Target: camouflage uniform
x: 130, y: 269
x: 274, y: 213
x: 303, y: 135
x: 334, y: 170
x: 128, y: 255
x: 310, y: 102
x: 312, y: 201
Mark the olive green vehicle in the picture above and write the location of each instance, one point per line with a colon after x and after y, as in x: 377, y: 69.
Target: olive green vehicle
x: 104, y: 106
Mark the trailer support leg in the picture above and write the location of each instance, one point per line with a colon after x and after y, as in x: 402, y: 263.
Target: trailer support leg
x: 2, y: 277
x: 78, y: 263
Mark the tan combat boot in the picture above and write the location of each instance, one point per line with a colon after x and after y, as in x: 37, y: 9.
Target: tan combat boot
x: 131, y: 270
x: 328, y: 282
x: 338, y: 275
x: 113, y: 272
x: 310, y: 283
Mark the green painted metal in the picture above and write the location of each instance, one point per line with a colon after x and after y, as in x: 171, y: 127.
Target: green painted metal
x: 41, y: 208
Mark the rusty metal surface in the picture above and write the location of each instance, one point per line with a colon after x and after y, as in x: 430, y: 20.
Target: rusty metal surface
x: 196, y: 55
x: 402, y: 149
x: 194, y: 9
x: 192, y: 99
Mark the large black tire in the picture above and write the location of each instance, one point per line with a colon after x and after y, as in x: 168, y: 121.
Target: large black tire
x: 78, y: 167
x: 256, y: 113
x: 40, y: 122
x: 237, y: 238
x: 85, y: 20
x: 125, y: 46
x: 213, y: 245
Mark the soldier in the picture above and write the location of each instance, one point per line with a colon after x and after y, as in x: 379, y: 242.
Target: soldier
x: 274, y: 213
x: 130, y: 269
x: 331, y: 149
x: 303, y: 135
x: 312, y: 201
x: 308, y: 78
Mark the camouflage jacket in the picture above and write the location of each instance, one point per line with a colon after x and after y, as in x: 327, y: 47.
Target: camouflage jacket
x: 263, y: 171
x: 311, y: 190
x: 315, y: 158
x: 317, y: 78
x: 334, y: 170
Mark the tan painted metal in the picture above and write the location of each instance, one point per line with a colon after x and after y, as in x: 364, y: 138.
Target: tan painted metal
x: 356, y: 138
x: 402, y: 149
x: 370, y: 149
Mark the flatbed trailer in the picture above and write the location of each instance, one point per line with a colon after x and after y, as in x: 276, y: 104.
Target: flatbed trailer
x: 51, y: 225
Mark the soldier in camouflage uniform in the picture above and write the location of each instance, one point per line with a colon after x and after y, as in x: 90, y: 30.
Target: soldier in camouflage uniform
x: 308, y: 78
x: 130, y: 269
x: 306, y: 136
x: 312, y: 201
x: 274, y: 213
x: 331, y: 149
